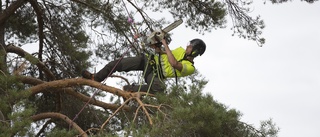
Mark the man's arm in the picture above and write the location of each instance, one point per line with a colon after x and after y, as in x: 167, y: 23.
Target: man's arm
x: 158, y: 49
x: 173, y: 62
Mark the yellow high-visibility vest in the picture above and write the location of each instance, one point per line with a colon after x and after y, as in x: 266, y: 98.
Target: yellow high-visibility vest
x: 168, y: 71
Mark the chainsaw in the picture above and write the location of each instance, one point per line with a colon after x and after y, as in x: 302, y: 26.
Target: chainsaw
x: 155, y: 37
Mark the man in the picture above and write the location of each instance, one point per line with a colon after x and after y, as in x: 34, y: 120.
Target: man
x: 168, y: 64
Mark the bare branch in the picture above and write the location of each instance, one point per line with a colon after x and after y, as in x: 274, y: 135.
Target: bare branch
x: 117, y: 76
x: 145, y: 110
x: 70, y: 91
x: 43, y: 128
x: 59, y: 116
x: 142, y: 14
x: 114, y: 113
x: 77, y: 82
x: 39, y: 13
x: 13, y: 49
x: 20, y: 68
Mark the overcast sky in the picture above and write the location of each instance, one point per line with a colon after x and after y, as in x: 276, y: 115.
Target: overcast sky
x: 280, y: 80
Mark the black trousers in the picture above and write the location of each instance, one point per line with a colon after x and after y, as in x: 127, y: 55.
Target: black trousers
x: 133, y: 64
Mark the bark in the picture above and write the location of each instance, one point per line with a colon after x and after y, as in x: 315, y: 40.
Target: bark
x: 1, y: 117
x: 10, y: 10
x: 39, y: 14
x: 4, y: 15
x: 78, y: 82
x: 32, y: 59
x: 70, y: 91
x: 59, y: 116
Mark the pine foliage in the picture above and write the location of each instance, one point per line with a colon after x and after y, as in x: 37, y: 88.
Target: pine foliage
x: 190, y: 113
x: 41, y: 93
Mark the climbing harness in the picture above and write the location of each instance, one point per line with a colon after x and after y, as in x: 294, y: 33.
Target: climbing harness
x: 154, y: 38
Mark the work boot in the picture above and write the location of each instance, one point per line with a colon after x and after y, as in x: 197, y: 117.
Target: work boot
x: 87, y: 75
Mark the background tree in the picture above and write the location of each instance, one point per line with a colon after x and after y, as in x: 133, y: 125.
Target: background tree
x: 282, y: 1
x: 41, y: 88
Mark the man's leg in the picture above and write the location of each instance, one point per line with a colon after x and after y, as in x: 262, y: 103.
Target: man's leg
x: 125, y: 64
x: 136, y: 88
x: 157, y: 86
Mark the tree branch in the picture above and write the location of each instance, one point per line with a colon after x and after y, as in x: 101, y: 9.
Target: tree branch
x: 70, y: 91
x: 145, y: 110
x: 114, y: 113
x: 5, y: 14
x: 142, y: 15
x: 13, y: 49
x: 43, y: 128
x: 59, y: 116
x: 243, y: 24
x: 39, y: 13
x: 77, y: 82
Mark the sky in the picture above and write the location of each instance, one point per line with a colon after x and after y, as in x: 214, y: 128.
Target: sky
x: 280, y: 80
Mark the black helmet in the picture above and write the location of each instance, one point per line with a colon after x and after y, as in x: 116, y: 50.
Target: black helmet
x: 198, y: 47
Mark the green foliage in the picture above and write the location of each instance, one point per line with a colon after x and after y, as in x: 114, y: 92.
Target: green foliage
x: 20, y: 120
x: 199, y: 15
x: 71, y: 34
x: 283, y: 1
x: 190, y: 113
x: 194, y: 114
x: 268, y: 127
x: 244, y: 25
x: 62, y: 133
x: 11, y: 93
x: 22, y: 26
x: 15, y: 108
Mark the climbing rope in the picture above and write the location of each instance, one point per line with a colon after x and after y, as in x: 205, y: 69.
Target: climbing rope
x: 135, y: 39
x: 134, y: 28
x: 94, y: 93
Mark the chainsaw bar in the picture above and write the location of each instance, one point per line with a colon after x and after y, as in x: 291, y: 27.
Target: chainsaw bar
x: 156, y: 36
x: 172, y: 26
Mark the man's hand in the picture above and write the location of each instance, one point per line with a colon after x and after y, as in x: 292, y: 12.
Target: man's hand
x: 157, y: 49
x: 164, y: 42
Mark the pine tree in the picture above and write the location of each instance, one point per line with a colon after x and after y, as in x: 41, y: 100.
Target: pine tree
x: 40, y: 93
